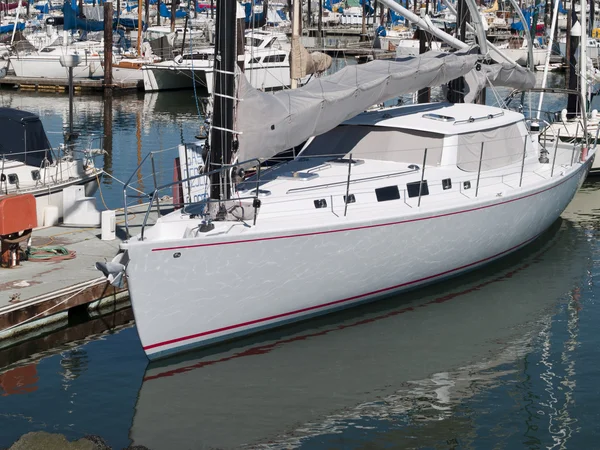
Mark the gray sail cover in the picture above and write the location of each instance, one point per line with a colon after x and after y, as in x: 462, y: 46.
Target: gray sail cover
x: 508, y: 75
x: 271, y: 123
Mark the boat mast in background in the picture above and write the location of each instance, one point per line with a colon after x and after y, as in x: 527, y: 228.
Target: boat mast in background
x: 548, y: 53
x: 295, y: 41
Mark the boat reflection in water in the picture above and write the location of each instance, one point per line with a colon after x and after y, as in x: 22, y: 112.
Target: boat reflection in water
x: 417, y: 355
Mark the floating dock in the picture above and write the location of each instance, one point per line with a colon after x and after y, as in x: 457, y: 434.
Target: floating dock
x: 62, y: 84
x: 40, y: 296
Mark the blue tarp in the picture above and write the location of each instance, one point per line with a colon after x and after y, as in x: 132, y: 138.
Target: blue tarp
x: 130, y: 23
x: 9, y: 28
x: 366, y: 4
x: 395, y: 18
x: 72, y: 22
x: 164, y: 12
x: 518, y: 26
x: 256, y: 17
x: 561, y: 9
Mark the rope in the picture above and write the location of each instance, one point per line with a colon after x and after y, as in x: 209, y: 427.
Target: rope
x: 50, y: 253
x: 100, y: 190
x: 43, y: 313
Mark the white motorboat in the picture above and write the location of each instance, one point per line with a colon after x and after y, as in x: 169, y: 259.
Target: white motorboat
x: 267, y: 65
x: 29, y: 165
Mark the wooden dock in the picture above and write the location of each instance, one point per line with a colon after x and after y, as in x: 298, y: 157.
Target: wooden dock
x: 62, y: 84
x: 37, y: 297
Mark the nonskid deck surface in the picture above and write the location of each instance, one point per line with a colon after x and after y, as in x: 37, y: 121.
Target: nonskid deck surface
x: 292, y: 204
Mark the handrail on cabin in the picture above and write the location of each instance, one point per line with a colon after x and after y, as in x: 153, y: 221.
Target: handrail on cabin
x: 153, y: 195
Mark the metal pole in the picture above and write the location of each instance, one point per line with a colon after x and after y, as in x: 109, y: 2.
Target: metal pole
x: 523, y: 162
x: 70, y: 104
x: 256, y: 198
x: 479, y: 171
x: 422, y: 176
x: 155, y: 185
x: 554, y: 157
x: 348, y: 185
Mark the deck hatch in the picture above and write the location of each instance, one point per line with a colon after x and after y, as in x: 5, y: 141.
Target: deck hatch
x: 439, y: 117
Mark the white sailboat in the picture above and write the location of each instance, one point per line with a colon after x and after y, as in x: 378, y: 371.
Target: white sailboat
x: 256, y: 384
x: 29, y: 165
x: 575, y: 128
x: 376, y: 202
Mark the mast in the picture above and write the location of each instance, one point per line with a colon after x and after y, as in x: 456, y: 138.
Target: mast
x: 548, y: 53
x: 295, y: 37
x: 223, y: 97
x: 573, y: 34
x: 583, y: 56
x: 139, y: 29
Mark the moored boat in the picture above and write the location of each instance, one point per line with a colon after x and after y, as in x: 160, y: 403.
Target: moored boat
x: 29, y: 164
x: 376, y: 203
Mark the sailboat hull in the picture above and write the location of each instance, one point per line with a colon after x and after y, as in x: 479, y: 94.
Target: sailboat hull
x: 219, y: 288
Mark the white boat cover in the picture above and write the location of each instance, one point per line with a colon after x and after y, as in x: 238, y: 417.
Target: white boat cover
x: 508, y: 75
x: 271, y: 123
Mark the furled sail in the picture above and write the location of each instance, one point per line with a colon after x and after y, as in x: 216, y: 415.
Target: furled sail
x: 271, y: 123
x: 508, y: 75
x: 303, y: 63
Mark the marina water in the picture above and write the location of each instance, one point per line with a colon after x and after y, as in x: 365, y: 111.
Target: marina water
x: 503, y: 357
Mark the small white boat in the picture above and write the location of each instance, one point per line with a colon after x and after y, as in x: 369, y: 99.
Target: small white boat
x: 517, y: 49
x: 29, y: 164
x: 46, y: 63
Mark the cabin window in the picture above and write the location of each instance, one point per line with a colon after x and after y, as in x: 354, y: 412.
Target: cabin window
x: 13, y: 178
x: 413, y: 189
x: 35, y: 175
x: 379, y: 143
x: 501, y: 146
x: 255, y: 61
x: 320, y: 203
x: 387, y: 193
x: 253, y: 42
x: 446, y: 183
x: 350, y: 199
x: 274, y: 58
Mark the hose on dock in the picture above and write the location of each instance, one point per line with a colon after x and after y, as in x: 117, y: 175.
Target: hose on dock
x: 50, y: 253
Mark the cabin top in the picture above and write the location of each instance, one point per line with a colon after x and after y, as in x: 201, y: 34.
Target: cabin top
x: 439, y: 118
